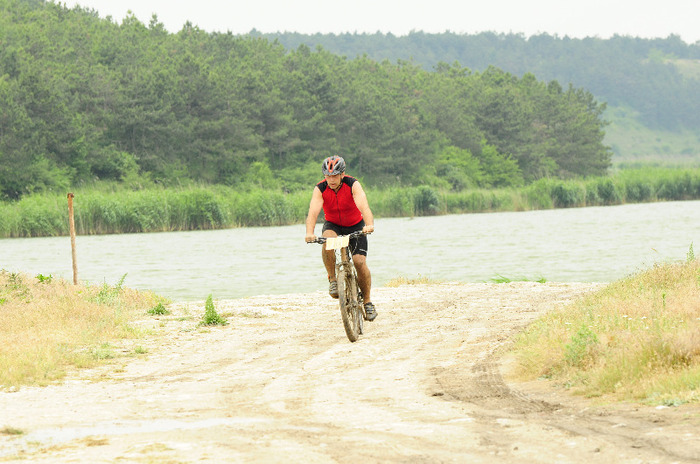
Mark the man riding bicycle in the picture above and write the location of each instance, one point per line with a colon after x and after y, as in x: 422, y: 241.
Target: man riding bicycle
x: 346, y: 210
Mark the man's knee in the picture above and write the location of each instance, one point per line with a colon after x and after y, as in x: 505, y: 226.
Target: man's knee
x: 359, y: 260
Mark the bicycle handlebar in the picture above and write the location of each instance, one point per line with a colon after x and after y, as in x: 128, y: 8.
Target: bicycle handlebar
x: 351, y: 235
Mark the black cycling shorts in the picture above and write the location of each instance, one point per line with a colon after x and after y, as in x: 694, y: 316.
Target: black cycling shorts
x: 358, y: 245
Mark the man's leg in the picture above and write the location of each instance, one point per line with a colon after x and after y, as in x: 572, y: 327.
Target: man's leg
x: 329, y: 262
x: 365, y: 280
x: 364, y: 276
x: 329, y: 256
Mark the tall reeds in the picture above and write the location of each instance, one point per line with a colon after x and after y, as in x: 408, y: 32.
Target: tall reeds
x: 99, y: 211
x: 104, y: 210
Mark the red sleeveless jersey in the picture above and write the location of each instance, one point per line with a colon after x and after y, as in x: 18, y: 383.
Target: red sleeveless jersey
x: 339, y: 207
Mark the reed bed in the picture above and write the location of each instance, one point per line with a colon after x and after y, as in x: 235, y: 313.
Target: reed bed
x: 105, y: 210
x: 99, y: 211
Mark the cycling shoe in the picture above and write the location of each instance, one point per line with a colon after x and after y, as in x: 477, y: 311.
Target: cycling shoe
x: 333, y: 288
x: 370, y: 311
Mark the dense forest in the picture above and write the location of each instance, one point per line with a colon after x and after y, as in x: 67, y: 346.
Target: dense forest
x: 86, y: 98
x: 658, y: 78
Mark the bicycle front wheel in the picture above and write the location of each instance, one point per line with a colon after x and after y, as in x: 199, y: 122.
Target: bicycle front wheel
x: 347, y: 298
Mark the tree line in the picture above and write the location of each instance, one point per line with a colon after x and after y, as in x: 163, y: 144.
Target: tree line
x: 647, y: 75
x: 88, y: 98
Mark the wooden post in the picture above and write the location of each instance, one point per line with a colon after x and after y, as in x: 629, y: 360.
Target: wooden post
x: 71, y: 223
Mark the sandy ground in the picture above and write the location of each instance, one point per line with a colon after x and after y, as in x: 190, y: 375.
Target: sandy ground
x: 281, y: 383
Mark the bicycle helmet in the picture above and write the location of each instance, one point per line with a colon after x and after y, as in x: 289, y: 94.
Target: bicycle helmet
x: 333, y: 165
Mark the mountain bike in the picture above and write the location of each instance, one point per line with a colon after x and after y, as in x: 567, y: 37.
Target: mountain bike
x: 352, y: 309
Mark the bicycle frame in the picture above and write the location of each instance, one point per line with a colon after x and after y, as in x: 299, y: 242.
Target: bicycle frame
x: 349, y: 294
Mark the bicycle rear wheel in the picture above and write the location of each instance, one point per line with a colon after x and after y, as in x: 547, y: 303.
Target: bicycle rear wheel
x: 349, y: 306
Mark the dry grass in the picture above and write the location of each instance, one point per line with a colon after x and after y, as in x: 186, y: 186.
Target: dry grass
x: 398, y: 281
x: 49, y: 325
x: 637, y: 339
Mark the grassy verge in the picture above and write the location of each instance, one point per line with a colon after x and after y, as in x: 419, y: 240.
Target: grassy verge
x: 637, y: 339
x: 48, y: 326
x: 108, y: 208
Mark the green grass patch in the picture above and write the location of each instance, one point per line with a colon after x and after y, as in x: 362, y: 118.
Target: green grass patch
x: 499, y: 279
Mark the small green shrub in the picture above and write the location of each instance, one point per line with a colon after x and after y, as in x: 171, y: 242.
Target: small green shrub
x: 158, y: 310
x: 47, y: 279
x: 690, y: 256
x: 211, y: 317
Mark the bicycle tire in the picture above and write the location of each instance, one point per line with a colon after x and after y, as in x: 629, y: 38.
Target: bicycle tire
x: 347, y: 300
x: 360, y: 304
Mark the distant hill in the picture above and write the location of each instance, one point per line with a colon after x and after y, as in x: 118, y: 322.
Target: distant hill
x: 651, y: 86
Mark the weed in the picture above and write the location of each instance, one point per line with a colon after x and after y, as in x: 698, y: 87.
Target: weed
x: 158, y: 310
x: 211, y: 317
x: 110, y: 295
x: 15, y: 279
x: 44, y: 279
x: 499, y: 279
x: 691, y: 254
x: 11, y: 431
x: 140, y: 350
x: 582, y: 343
x: 103, y: 352
x: 17, y: 288
x: 668, y: 401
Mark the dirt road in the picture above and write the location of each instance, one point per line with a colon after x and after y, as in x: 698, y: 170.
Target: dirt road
x: 281, y: 383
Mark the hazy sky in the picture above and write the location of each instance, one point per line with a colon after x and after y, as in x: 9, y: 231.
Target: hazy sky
x: 575, y: 18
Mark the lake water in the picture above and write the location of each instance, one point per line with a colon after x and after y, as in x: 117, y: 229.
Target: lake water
x: 597, y: 244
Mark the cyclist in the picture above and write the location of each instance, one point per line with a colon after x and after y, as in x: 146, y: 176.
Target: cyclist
x: 346, y: 210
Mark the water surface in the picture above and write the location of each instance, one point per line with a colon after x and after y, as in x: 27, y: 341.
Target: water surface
x: 597, y: 244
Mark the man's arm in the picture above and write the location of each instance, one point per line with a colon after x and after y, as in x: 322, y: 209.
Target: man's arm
x: 315, y: 208
x: 358, y: 194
